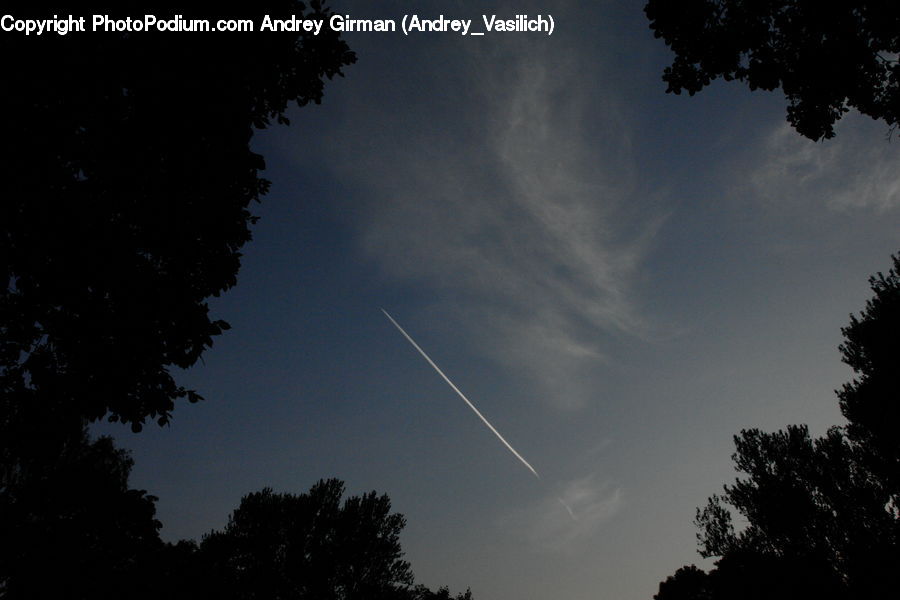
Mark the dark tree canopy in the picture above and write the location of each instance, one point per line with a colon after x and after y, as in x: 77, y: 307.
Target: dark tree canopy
x: 126, y: 179
x: 814, y: 515
x: 443, y: 593
x: 688, y: 583
x: 822, y: 515
x: 751, y: 576
x: 317, y: 546
x: 871, y: 402
x: 127, y: 176
x: 71, y: 527
x: 826, y: 57
x: 309, y: 546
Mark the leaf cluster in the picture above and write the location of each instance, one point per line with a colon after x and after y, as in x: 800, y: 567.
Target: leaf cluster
x: 826, y: 59
x: 127, y: 178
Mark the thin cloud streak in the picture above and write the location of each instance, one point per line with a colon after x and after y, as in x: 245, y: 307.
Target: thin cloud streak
x: 589, y: 502
x: 568, y: 509
x: 461, y: 395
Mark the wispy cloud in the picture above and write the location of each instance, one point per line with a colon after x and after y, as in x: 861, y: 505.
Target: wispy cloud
x: 547, y: 526
x: 516, y: 215
x: 855, y: 170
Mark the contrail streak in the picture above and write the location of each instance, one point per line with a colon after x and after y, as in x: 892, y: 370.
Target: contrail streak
x: 461, y: 395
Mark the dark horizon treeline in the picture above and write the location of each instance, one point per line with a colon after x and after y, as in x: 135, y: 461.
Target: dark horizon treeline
x: 77, y: 530
x: 822, y: 514
x: 127, y: 178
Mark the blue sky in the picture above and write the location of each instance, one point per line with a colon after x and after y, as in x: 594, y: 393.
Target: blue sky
x: 618, y: 278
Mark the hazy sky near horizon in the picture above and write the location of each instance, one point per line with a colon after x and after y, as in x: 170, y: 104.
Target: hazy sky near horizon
x: 619, y: 279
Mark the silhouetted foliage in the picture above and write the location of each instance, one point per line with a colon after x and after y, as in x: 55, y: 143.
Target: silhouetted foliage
x: 826, y: 58
x: 443, y: 593
x: 72, y: 528
x: 752, y: 576
x: 870, y: 402
x: 309, y: 546
x: 126, y: 176
x: 688, y: 583
x: 822, y: 515
x: 814, y: 515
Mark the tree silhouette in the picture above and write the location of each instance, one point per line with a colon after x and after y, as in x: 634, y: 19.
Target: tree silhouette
x: 870, y: 402
x: 311, y: 546
x: 688, y: 583
x: 126, y: 176
x: 751, y: 576
x: 814, y: 516
x: 72, y: 527
x: 822, y: 515
x: 826, y: 59
x: 443, y: 593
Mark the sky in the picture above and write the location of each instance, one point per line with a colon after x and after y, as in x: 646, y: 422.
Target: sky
x: 619, y: 279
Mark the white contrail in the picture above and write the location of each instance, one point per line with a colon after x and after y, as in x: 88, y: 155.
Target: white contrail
x: 461, y: 395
